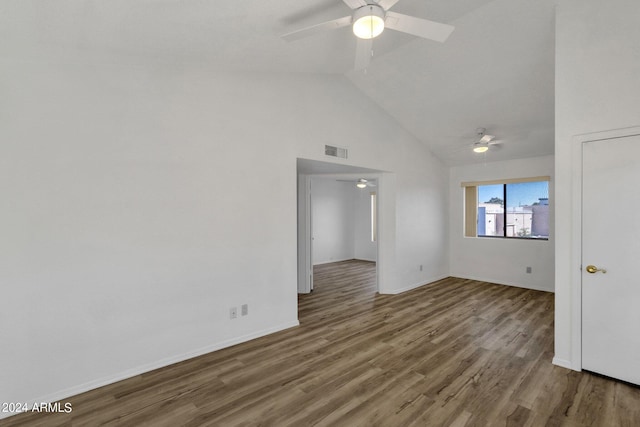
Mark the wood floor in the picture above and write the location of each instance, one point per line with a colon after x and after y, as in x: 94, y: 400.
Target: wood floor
x: 452, y: 353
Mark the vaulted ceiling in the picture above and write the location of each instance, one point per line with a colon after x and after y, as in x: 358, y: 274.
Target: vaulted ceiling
x: 495, y: 71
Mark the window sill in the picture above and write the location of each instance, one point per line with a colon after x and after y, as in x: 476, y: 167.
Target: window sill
x: 512, y: 238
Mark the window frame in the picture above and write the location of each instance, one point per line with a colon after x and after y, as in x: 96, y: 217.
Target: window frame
x: 471, y: 206
x: 373, y: 200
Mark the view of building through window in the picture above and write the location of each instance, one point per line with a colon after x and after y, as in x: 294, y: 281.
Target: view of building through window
x: 514, y: 210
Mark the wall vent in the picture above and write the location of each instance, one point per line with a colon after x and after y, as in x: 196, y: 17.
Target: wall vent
x: 330, y: 150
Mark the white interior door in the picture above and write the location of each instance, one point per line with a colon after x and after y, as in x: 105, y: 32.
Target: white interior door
x: 611, y: 242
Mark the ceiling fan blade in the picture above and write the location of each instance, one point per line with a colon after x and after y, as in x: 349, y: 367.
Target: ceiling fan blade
x: 418, y: 27
x: 319, y: 28
x: 363, y: 53
x: 387, y: 4
x: 486, y: 138
x: 355, y: 4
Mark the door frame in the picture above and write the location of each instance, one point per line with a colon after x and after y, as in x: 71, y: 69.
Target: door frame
x: 305, y: 228
x: 305, y: 266
x: 576, y: 230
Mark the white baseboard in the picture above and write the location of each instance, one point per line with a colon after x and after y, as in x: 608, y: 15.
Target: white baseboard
x: 332, y: 261
x: 101, y: 382
x: 365, y: 259
x: 500, y: 282
x: 563, y: 363
x: 416, y: 285
x: 346, y: 259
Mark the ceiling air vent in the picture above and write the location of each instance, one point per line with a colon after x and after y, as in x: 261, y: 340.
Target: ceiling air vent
x: 330, y: 150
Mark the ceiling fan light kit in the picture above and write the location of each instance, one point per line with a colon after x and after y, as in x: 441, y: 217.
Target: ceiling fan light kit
x: 368, y: 22
x: 480, y: 148
x: 362, y: 183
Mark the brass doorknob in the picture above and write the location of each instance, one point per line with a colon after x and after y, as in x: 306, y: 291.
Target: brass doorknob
x: 593, y: 269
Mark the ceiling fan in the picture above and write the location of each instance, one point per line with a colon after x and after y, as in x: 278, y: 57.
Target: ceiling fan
x: 360, y: 183
x: 369, y: 19
x: 484, y: 141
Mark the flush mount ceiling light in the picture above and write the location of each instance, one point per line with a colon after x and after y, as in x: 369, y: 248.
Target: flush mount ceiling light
x: 368, y: 22
x: 362, y: 183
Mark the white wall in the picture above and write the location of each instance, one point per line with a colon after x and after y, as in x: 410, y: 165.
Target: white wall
x: 139, y: 209
x: 341, y: 221
x: 143, y: 199
x: 597, y: 89
x: 422, y: 221
x: 333, y: 220
x: 501, y: 261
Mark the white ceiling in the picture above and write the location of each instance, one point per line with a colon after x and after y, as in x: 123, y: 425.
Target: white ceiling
x: 495, y: 71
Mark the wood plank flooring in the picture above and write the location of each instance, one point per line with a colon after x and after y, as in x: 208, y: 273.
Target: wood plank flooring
x: 452, y: 353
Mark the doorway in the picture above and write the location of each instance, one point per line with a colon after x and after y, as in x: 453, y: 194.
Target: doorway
x: 339, y: 176
x: 610, y: 235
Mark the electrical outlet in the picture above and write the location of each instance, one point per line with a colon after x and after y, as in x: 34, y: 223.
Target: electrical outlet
x: 529, y: 270
x: 244, y: 309
x: 233, y: 312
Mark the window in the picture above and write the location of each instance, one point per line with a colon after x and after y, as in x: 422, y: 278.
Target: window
x: 374, y: 219
x: 515, y: 208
